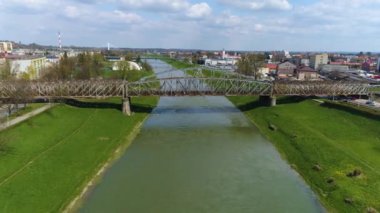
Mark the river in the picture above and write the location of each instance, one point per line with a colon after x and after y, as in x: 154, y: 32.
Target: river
x: 200, y: 154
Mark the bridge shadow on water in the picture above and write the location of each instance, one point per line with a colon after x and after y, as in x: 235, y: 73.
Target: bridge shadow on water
x: 195, y: 110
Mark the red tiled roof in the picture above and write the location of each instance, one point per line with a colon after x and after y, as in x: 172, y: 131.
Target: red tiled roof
x: 272, y: 66
x: 305, y: 69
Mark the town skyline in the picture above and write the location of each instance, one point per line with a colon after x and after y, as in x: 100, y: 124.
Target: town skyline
x: 68, y: 47
x: 244, y: 25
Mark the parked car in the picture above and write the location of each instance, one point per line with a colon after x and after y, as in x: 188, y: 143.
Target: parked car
x: 370, y: 103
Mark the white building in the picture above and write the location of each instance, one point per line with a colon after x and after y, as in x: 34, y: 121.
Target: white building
x: 220, y: 62
x: 28, y: 67
x: 6, y: 47
x: 287, y: 54
x: 264, y: 71
x: 317, y: 61
x: 132, y: 66
x: 305, y: 62
x: 334, y: 68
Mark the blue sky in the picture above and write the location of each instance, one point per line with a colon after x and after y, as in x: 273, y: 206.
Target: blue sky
x: 295, y: 25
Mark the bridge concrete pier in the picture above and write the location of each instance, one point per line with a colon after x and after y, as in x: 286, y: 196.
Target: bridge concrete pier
x: 273, y: 101
x: 268, y: 100
x: 127, y: 106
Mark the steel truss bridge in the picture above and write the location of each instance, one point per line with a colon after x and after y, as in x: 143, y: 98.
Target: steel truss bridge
x: 178, y: 86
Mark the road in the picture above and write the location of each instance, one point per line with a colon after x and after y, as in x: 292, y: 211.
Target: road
x: 25, y: 117
x: 363, y: 103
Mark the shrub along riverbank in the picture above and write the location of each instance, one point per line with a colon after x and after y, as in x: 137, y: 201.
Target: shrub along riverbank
x: 176, y: 63
x: 336, y: 148
x: 47, y: 160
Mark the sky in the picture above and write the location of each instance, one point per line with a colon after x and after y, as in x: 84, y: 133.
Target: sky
x: 293, y: 25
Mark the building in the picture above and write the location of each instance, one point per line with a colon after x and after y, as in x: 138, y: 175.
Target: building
x: 378, y: 65
x: 264, y: 72
x: 272, y: 68
x: 305, y: 62
x: 28, y: 67
x: 221, y: 62
x: 114, y: 58
x: 6, y: 47
x: 132, y: 66
x: 172, y: 54
x: 334, y: 68
x: 286, y: 70
x: 305, y: 73
x: 366, y: 66
x: 317, y: 61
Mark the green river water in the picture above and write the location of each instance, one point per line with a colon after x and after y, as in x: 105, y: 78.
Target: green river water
x: 200, y: 154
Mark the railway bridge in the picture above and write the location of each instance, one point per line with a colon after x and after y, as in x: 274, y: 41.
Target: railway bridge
x: 177, y: 86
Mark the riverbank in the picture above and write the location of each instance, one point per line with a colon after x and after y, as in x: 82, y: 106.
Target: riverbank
x: 77, y: 201
x: 50, y: 158
x: 176, y: 63
x: 335, y: 148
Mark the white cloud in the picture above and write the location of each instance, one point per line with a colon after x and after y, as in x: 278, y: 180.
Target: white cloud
x: 30, y: 4
x: 259, y: 4
x: 179, y: 23
x: 199, y: 10
x: 125, y: 17
x: 72, y: 12
x: 225, y: 20
x: 86, y: 14
x: 162, y: 5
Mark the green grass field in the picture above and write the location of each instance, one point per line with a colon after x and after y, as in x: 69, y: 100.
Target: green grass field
x: 338, y: 138
x: 374, y: 89
x: 48, y: 159
x: 176, y: 63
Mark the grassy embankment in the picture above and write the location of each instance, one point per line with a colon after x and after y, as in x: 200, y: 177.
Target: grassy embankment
x: 176, y: 63
x: 47, y: 160
x: 324, y: 143
x: 374, y: 89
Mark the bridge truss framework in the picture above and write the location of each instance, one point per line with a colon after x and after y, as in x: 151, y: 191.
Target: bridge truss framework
x: 177, y: 86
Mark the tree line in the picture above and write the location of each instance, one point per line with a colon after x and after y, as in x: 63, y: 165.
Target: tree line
x: 81, y: 67
x: 250, y: 64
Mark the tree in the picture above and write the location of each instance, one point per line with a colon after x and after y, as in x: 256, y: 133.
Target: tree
x: 124, y: 69
x: 96, y: 65
x: 129, y: 56
x: 138, y: 59
x: 84, y: 66
x: 65, y: 68
x: 146, y: 67
x: 250, y: 64
x: 6, y: 71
